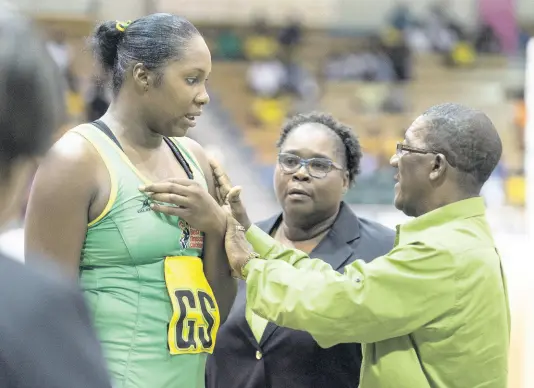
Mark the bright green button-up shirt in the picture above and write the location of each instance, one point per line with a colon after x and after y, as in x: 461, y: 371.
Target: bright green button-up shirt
x: 431, y: 313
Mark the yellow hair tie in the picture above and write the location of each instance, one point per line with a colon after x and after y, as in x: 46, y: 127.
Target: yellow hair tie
x: 121, y: 26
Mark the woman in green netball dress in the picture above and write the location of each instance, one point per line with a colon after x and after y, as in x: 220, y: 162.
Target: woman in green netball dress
x: 158, y: 287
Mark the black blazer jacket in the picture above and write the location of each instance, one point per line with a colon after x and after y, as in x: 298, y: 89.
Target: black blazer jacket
x: 291, y: 358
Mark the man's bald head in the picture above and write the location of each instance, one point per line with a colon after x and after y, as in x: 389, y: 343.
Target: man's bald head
x: 467, y: 138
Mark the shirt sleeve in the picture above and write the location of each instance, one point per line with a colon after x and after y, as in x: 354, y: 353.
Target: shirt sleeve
x: 389, y: 297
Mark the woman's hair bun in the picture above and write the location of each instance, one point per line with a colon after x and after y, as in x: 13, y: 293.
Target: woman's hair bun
x: 106, y: 39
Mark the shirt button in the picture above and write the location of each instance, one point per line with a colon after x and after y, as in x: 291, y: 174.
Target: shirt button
x: 258, y: 355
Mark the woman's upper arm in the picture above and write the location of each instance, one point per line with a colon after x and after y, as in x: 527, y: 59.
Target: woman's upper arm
x: 57, y: 213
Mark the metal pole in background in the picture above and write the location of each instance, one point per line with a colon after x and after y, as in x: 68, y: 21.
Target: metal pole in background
x: 529, y: 215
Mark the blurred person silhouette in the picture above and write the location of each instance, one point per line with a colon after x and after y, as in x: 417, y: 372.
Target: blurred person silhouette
x: 140, y: 271
x: 229, y: 45
x: 462, y: 55
x: 267, y: 78
x: 290, y: 37
x: 97, y: 100
x: 319, y: 159
x: 399, y: 53
x: 260, y: 44
x: 60, y: 51
x: 486, y: 40
x: 401, y: 16
x: 46, y: 337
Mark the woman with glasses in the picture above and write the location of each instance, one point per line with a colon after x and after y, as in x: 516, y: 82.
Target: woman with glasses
x: 318, y: 161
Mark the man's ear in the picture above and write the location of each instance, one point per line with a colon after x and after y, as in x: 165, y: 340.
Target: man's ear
x: 439, y: 168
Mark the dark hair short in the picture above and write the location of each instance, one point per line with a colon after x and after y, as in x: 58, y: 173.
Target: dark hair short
x: 351, y: 150
x: 31, y: 92
x: 467, y: 138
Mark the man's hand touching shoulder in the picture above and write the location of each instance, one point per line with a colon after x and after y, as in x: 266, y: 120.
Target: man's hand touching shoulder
x: 238, y: 249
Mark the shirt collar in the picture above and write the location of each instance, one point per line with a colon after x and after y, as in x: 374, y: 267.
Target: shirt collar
x: 463, y: 209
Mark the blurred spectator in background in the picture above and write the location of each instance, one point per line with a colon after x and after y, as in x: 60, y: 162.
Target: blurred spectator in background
x: 334, y: 68
x: 229, y: 45
x: 60, y: 52
x: 375, y: 78
x: 437, y: 25
x: 280, y: 85
x: 269, y: 112
x: 369, y: 98
x: 399, y: 54
x: 486, y: 41
x: 380, y: 65
x: 260, y: 43
x: 306, y: 90
x: 98, y: 99
x: 515, y: 187
x: 462, y: 54
x: 75, y: 102
x: 417, y: 38
x: 401, y: 17
x: 267, y: 78
x: 356, y: 63
x: 290, y: 37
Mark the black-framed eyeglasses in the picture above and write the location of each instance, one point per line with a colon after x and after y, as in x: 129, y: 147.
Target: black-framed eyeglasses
x: 316, y: 167
x: 403, y: 149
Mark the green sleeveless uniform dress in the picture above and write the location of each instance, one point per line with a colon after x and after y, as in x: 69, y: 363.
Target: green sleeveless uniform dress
x: 141, y: 273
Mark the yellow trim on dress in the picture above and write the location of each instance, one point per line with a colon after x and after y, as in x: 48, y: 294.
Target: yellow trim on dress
x: 114, y: 186
x: 125, y: 158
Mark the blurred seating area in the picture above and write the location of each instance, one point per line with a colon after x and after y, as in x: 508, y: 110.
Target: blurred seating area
x: 375, y: 82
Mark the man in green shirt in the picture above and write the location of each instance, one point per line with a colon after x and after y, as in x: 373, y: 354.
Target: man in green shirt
x: 431, y: 313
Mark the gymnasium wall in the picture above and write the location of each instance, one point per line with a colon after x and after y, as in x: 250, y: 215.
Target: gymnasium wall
x: 363, y: 13
x: 317, y: 13
x: 103, y: 9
